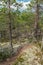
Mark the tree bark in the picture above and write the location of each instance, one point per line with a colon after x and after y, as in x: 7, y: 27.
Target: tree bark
x: 10, y: 28
x: 37, y: 29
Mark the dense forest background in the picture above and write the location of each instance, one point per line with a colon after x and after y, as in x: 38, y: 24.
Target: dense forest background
x: 18, y: 26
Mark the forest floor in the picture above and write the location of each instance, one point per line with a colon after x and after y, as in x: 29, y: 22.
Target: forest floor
x: 10, y: 61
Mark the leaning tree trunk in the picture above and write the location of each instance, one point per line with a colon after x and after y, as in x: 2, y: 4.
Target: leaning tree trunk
x: 10, y: 28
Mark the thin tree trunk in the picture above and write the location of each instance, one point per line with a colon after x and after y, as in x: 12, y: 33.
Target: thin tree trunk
x: 37, y: 14
x: 10, y: 28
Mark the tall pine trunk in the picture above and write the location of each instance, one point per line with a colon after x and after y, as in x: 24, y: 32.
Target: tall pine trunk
x: 10, y: 28
x: 37, y: 28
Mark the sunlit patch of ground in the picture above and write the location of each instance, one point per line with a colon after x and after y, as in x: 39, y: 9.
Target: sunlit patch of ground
x: 30, y: 56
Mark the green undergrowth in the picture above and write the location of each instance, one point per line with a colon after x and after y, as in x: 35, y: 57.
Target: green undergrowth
x: 4, y: 54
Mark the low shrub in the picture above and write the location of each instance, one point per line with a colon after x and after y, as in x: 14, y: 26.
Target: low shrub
x: 4, y: 54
